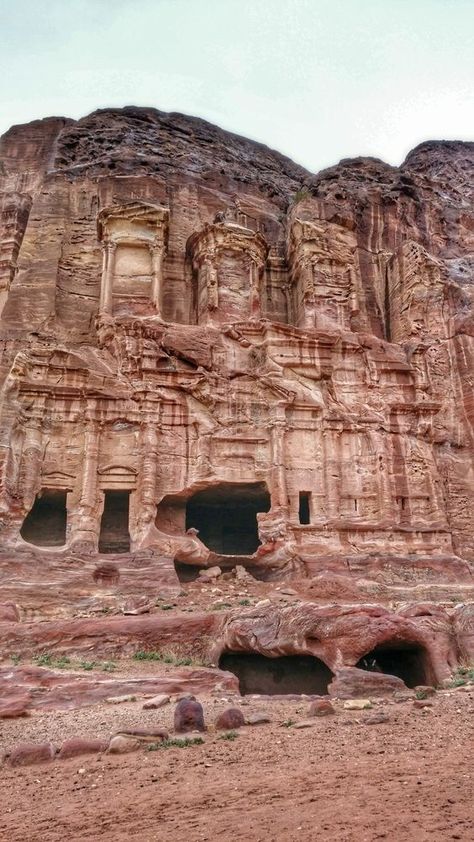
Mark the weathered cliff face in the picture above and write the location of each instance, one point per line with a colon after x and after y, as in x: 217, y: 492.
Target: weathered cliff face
x: 211, y: 356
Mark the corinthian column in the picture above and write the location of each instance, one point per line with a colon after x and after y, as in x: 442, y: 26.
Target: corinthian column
x: 106, y: 286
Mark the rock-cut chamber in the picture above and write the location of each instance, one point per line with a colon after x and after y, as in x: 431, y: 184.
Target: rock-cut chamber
x: 285, y: 675
x: 410, y: 662
x: 45, y: 524
x: 226, y: 516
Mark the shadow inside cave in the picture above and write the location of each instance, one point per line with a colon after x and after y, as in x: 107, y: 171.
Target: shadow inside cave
x: 284, y: 675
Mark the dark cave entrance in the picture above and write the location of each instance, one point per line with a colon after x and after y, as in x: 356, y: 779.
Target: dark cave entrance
x: 187, y: 572
x: 408, y: 661
x: 114, y: 536
x: 45, y: 523
x: 226, y: 516
x: 285, y: 675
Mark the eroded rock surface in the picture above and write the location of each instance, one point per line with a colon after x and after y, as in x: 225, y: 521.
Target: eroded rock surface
x: 213, y: 360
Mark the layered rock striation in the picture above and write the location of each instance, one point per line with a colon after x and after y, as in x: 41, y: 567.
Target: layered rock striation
x: 210, y: 356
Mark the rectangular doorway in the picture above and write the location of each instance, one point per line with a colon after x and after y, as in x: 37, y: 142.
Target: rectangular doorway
x: 114, y: 534
x: 304, y: 512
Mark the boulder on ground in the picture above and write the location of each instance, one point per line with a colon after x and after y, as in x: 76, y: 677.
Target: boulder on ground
x: 424, y: 691
x: 76, y: 746
x: 188, y: 716
x: 258, y: 718
x: 123, y: 745
x: 357, y: 704
x: 376, y: 718
x: 403, y: 695
x: 209, y: 574
x: 184, y: 696
x: 120, y: 700
x: 321, y: 707
x: 229, y: 719
x: 156, y: 702
x: 26, y: 754
x: 353, y: 683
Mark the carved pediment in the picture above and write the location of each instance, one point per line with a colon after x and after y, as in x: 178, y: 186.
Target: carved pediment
x: 117, y: 221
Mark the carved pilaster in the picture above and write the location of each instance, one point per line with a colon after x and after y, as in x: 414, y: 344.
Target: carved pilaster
x: 106, y: 287
x: 85, y: 520
x: 255, y: 293
x: 383, y: 472
x: 278, y: 490
x: 211, y: 283
x: 147, y: 478
x: 32, y: 456
x: 157, y: 254
x: 331, y: 477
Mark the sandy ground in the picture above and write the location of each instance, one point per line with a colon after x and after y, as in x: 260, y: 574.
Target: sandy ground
x: 342, y: 779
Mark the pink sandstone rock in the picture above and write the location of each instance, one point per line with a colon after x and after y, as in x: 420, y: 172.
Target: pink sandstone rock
x: 188, y: 716
x: 121, y: 744
x: 352, y: 683
x: 212, y: 358
x: 229, y: 719
x: 156, y: 702
x: 77, y: 746
x: 27, y: 754
x: 321, y: 707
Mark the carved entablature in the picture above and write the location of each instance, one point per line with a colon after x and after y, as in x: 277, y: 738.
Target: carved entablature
x: 134, y: 238
x: 321, y: 258
x: 228, y: 260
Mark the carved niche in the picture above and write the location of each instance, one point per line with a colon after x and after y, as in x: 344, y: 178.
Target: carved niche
x: 228, y: 261
x: 323, y: 277
x: 134, y: 238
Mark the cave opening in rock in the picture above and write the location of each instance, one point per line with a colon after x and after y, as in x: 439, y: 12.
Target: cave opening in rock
x: 277, y: 676
x: 187, y: 572
x: 114, y: 535
x: 408, y: 661
x: 226, y: 516
x: 45, y: 523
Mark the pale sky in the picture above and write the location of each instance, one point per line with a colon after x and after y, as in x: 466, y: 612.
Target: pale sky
x: 319, y: 80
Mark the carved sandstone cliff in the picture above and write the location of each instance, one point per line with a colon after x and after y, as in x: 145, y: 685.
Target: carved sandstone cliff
x: 211, y: 356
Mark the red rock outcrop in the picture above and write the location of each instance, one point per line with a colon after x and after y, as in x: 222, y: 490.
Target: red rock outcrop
x: 211, y: 358
x: 44, y: 689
